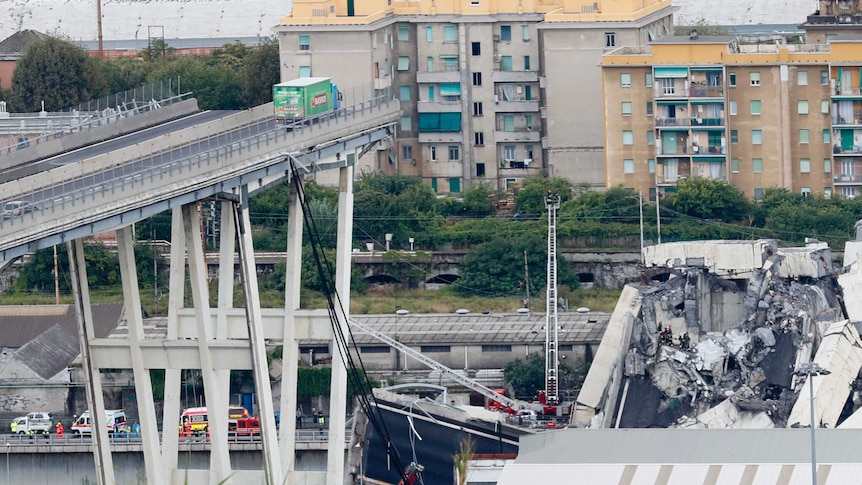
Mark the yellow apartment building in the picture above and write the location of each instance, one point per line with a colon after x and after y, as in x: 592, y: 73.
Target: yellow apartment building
x: 757, y: 116
x: 491, y: 90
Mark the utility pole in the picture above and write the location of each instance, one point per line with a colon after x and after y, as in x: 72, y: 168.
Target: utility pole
x: 56, y: 277
x: 99, y: 24
x: 641, y: 217
x: 526, y: 281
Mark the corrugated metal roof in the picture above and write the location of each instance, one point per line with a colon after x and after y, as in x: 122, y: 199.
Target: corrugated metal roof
x: 21, y: 324
x: 50, y: 352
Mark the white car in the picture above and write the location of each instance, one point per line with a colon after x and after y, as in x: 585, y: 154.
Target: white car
x: 16, y: 208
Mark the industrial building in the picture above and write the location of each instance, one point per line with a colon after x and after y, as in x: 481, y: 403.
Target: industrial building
x: 490, y: 90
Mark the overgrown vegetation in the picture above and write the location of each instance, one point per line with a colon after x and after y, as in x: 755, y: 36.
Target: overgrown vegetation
x: 528, y: 376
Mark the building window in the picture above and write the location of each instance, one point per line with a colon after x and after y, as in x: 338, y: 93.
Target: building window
x: 433, y: 153
x: 806, y: 192
x: 758, y: 193
x: 733, y: 108
x: 804, y: 165
x: 509, y: 153
x: 430, y: 93
x: 802, y: 78
x: 430, y: 63
x: 406, y: 123
x: 754, y: 78
x: 650, y: 137
x: 757, y: 165
x: 529, y: 149
x: 824, y: 106
x: 824, y: 77
x: 375, y: 349
x: 496, y: 348
x: 526, y: 63
x: 477, y: 79
x: 627, y: 108
x: 480, y: 169
x: 650, y: 165
x: 649, y: 108
x: 626, y: 80
x: 827, y: 165
x: 506, y: 33
x: 407, y: 152
x: 403, y: 34
x: 479, y: 138
x: 827, y: 192
x: 528, y: 122
x: 628, y: 137
x: 403, y: 63
x: 477, y: 109
x: 803, y: 136
x: 802, y: 106
x: 374, y: 40
x: 566, y: 347
x: 826, y: 136
x: 525, y: 32
x: 756, y: 137
x: 734, y: 137
x: 731, y: 79
x: 755, y: 106
x: 429, y: 33
x: 509, y: 123
x: 476, y: 48
x: 528, y: 92
x: 449, y: 34
x: 734, y: 165
x: 304, y: 71
x: 454, y: 153
x: 304, y: 43
x: 610, y: 39
x: 450, y: 63
x: 628, y: 166
x: 648, y: 79
x: 506, y: 63
x: 425, y: 349
x: 849, y: 192
x: 404, y: 93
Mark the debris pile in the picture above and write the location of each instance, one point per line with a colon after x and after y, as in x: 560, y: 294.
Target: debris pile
x: 720, y: 352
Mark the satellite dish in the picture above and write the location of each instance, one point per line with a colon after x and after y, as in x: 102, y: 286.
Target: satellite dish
x: 523, y: 310
x: 402, y: 312
x: 583, y: 309
x: 462, y: 311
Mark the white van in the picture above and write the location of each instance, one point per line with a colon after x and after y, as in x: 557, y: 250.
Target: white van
x: 39, y: 423
x: 115, y: 418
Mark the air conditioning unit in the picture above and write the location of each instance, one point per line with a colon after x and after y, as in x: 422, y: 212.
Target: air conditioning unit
x: 496, y: 38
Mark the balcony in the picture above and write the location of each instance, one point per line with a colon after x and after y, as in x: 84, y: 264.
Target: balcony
x: 515, y: 76
x: 848, y: 179
x: 706, y: 122
x: 706, y: 91
x: 438, y: 77
x: 665, y: 122
x: 438, y: 106
x: 708, y: 150
x: 665, y: 151
x: 842, y: 121
x: 518, y: 106
x: 530, y: 136
x: 854, y: 150
x: 384, y: 82
x: 440, y: 137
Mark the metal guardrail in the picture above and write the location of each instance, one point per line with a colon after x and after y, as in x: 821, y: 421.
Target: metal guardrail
x: 86, y: 116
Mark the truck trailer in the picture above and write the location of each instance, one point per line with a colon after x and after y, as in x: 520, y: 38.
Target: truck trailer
x: 304, y: 98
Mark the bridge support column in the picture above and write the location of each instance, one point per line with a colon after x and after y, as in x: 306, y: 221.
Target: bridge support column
x: 86, y: 332
x: 338, y: 390
x: 260, y: 369
x: 217, y: 418
x: 290, y: 354
x: 173, y: 383
x: 143, y: 384
x: 227, y: 248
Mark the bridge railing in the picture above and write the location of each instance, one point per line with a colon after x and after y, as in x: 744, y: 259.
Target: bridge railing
x: 166, y: 167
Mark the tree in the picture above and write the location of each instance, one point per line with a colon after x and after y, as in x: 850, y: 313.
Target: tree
x: 215, y: 87
x: 528, y: 376
x: 479, y: 200
x: 158, y: 50
x: 260, y: 70
x: 124, y: 74
x: 496, y: 268
x: 702, y: 26
x: 705, y: 198
x: 55, y: 72
x: 531, y: 197
x: 617, y: 204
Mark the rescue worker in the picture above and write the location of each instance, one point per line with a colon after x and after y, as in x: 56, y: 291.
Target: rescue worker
x: 60, y: 430
x: 14, y: 426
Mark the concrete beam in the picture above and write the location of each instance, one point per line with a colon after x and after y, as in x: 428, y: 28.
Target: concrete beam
x: 311, y: 324
x: 176, y: 354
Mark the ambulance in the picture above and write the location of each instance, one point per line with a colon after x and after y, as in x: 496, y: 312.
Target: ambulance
x: 115, y: 419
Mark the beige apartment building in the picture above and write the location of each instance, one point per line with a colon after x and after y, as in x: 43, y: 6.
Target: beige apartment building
x: 757, y: 116
x: 491, y: 90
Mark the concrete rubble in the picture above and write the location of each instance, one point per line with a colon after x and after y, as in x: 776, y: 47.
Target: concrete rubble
x: 717, y: 344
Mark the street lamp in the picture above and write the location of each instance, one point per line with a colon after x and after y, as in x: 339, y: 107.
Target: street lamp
x: 7, y: 461
x: 811, y: 369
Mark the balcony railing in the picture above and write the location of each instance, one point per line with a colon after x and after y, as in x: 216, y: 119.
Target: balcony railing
x: 847, y: 91
x: 707, y: 150
x: 695, y: 122
x: 706, y: 91
x: 840, y: 120
x: 855, y: 150
x: 672, y: 121
x: 848, y: 179
x: 679, y: 150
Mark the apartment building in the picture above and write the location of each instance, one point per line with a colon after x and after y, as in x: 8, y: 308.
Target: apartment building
x: 757, y: 116
x: 491, y: 90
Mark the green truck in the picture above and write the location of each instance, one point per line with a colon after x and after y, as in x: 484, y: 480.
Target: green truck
x: 304, y: 98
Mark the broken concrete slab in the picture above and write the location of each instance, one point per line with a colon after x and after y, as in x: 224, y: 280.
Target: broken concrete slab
x: 738, y: 259
x: 812, y: 261
x: 725, y: 415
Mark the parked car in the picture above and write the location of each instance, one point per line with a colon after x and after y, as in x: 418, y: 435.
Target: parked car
x: 16, y: 208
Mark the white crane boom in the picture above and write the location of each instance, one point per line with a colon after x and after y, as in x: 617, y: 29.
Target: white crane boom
x: 465, y: 381
x: 552, y: 362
